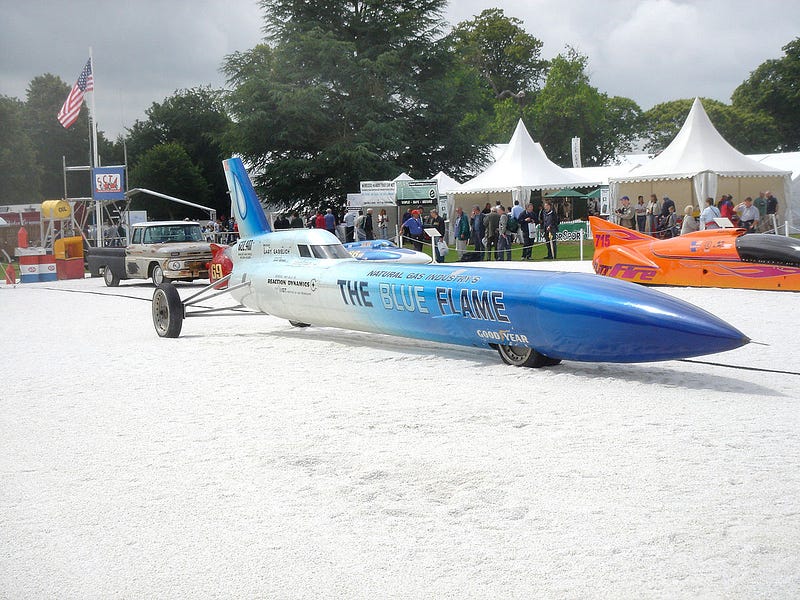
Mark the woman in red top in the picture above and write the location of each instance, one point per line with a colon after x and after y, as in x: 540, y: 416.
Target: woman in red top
x: 726, y: 207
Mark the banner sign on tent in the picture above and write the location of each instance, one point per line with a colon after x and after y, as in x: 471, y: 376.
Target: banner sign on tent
x: 569, y: 231
x: 378, y: 193
x: 417, y: 192
x: 108, y: 183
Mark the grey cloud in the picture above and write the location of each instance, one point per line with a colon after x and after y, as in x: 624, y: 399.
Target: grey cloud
x: 648, y: 50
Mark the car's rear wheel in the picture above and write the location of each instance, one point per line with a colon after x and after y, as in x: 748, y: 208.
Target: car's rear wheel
x: 111, y: 278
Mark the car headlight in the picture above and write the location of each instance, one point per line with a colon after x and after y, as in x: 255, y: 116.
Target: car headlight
x: 175, y: 265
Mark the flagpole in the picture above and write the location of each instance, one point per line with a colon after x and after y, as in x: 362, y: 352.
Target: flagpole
x: 98, y: 212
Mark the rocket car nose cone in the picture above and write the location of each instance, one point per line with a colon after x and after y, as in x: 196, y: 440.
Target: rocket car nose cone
x: 629, y: 323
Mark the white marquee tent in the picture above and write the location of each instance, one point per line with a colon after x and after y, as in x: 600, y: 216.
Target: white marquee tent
x: 521, y: 168
x: 446, y: 183
x: 447, y: 187
x: 788, y: 161
x: 697, y: 164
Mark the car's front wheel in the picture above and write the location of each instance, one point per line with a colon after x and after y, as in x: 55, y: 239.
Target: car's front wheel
x: 167, y: 311
x: 157, y: 275
x: 520, y: 356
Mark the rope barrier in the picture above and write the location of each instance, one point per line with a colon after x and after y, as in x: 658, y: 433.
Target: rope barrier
x: 91, y: 292
x: 739, y: 367
x: 521, y: 246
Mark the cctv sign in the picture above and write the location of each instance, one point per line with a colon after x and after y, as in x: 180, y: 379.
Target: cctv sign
x: 108, y: 183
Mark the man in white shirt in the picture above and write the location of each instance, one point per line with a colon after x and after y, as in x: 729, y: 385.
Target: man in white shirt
x: 517, y: 210
x: 748, y: 215
x: 710, y: 212
x: 349, y: 226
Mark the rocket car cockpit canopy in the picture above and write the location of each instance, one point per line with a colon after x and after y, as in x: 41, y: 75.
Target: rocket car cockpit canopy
x: 323, y: 251
x: 771, y: 249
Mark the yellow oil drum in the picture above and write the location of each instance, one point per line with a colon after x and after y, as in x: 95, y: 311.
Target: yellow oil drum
x: 56, y: 209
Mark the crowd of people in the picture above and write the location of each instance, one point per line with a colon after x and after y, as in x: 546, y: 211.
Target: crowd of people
x: 358, y: 225
x: 221, y: 230
x: 652, y: 218
x: 490, y: 231
x: 660, y: 219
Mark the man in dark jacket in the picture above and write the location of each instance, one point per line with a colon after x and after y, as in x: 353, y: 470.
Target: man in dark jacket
x: 491, y: 224
x: 477, y: 229
x: 437, y: 222
x: 666, y: 203
x: 548, y: 219
x: 772, y: 212
x: 330, y: 221
x: 461, y: 231
x: 368, y: 225
x: 527, y: 221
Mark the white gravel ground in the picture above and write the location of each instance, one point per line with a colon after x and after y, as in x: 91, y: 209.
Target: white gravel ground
x: 250, y: 459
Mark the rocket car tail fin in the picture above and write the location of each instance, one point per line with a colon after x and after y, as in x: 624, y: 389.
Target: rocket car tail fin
x: 616, y: 234
x: 245, y: 206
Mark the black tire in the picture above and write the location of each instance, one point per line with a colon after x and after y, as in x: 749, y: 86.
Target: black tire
x: 298, y: 324
x: 520, y: 356
x: 167, y: 310
x: 158, y: 275
x: 111, y: 278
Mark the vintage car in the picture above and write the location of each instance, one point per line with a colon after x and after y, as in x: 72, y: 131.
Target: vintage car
x: 158, y: 250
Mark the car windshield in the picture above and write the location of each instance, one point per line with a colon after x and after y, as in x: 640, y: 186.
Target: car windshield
x: 165, y: 234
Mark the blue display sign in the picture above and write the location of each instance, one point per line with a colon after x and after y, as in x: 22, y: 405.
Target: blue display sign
x: 108, y: 183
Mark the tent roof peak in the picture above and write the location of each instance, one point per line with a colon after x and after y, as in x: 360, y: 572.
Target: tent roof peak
x: 699, y: 147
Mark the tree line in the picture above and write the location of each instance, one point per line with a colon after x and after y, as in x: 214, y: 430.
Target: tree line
x: 345, y: 91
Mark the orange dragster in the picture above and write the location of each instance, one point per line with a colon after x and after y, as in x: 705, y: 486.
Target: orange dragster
x: 725, y: 258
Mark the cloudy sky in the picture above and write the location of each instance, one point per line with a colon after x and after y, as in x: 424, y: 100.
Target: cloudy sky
x: 647, y: 50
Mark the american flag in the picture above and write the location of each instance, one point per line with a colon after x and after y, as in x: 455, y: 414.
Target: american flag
x: 72, y: 105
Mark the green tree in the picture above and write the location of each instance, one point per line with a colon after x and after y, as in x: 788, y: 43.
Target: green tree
x: 507, y: 58
x: 749, y: 132
x: 569, y: 106
x: 621, y: 127
x: 449, y: 118
x: 168, y: 169
x: 110, y: 153
x: 20, y: 173
x: 773, y: 89
x: 348, y: 91
x: 53, y: 144
x: 45, y: 96
x: 197, y: 120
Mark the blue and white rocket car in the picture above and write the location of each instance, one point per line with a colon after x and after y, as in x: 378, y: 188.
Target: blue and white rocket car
x: 533, y: 318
